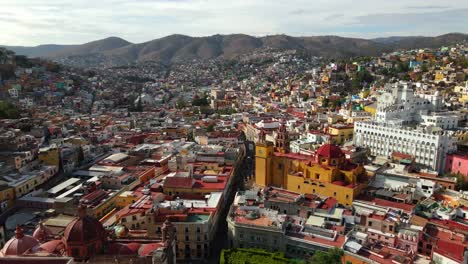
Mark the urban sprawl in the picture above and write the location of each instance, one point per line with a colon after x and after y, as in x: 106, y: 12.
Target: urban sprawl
x: 275, y: 153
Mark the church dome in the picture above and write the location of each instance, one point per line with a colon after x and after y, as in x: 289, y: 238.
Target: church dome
x: 19, y: 244
x: 42, y: 233
x: 330, y: 151
x: 83, y: 229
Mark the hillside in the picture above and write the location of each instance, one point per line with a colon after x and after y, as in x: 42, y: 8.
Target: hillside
x: 180, y: 47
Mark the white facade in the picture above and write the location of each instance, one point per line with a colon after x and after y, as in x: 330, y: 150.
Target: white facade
x: 447, y: 120
x: 401, y: 103
x: 429, y: 149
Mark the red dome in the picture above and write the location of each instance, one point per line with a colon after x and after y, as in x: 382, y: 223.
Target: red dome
x: 148, y: 249
x: 42, y: 232
x: 330, y: 151
x: 123, y: 249
x: 83, y: 230
x: 53, y: 247
x: 19, y: 244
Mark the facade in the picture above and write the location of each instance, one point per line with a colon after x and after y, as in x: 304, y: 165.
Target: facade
x: 327, y: 173
x: 383, y: 139
x: 341, y: 133
x: 457, y: 164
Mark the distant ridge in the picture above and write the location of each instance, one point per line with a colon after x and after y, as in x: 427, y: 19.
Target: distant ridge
x: 181, y: 47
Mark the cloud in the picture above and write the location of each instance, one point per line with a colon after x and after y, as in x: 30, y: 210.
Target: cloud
x: 32, y: 22
x: 427, y: 7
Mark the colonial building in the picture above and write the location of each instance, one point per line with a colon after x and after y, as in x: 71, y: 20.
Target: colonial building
x: 327, y: 173
x: 429, y: 148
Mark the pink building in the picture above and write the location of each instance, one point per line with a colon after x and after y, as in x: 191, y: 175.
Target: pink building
x: 457, y: 163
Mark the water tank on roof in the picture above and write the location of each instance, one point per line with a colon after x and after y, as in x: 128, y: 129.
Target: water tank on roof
x: 210, y: 179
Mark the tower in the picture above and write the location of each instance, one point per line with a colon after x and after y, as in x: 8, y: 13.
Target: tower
x: 282, y: 139
x: 263, y: 151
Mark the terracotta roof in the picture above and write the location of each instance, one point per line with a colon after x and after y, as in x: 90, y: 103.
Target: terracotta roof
x: 178, y: 182
x: 454, y: 251
x: 390, y: 204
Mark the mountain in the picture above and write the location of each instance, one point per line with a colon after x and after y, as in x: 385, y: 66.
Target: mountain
x: 93, y: 47
x: 37, y: 51
x: 52, y: 50
x: 176, y: 47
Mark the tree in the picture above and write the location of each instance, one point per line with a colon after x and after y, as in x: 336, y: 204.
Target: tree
x: 180, y: 103
x: 402, y: 67
x: 8, y: 111
x: 210, y: 128
x: 462, y: 185
x: 200, y: 101
x: 332, y: 256
x: 325, y: 102
x: 424, y: 67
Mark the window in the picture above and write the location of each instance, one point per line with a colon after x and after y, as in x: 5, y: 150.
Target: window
x: 186, y: 238
x: 317, y: 176
x: 334, y: 194
x: 370, y: 223
x: 298, y: 187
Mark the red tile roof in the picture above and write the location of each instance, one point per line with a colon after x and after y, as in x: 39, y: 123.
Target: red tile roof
x: 178, y: 182
x: 390, y: 204
x: 454, y: 251
x: 448, y: 224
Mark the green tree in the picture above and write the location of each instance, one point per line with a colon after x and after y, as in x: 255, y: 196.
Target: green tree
x: 424, y: 67
x: 210, y: 128
x: 332, y: 256
x: 180, y: 103
x: 200, y: 101
x: 8, y: 110
x: 325, y: 102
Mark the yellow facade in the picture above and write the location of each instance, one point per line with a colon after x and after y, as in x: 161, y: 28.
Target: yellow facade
x: 341, y: 134
x: 126, y: 198
x: 439, y: 76
x: 7, y: 196
x: 105, y: 206
x: 308, y: 177
x: 370, y: 109
x: 50, y: 156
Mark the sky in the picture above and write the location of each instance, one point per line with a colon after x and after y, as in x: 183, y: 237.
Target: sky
x: 34, y: 22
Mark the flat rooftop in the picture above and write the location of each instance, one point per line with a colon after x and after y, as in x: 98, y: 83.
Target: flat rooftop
x: 198, y: 218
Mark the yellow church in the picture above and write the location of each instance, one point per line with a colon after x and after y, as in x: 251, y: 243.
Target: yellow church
x: 327, y: 173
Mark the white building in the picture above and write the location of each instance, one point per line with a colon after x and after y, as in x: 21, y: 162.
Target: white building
x: 428, y: 142
x: 401, y: 103
x: 428, y: 149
